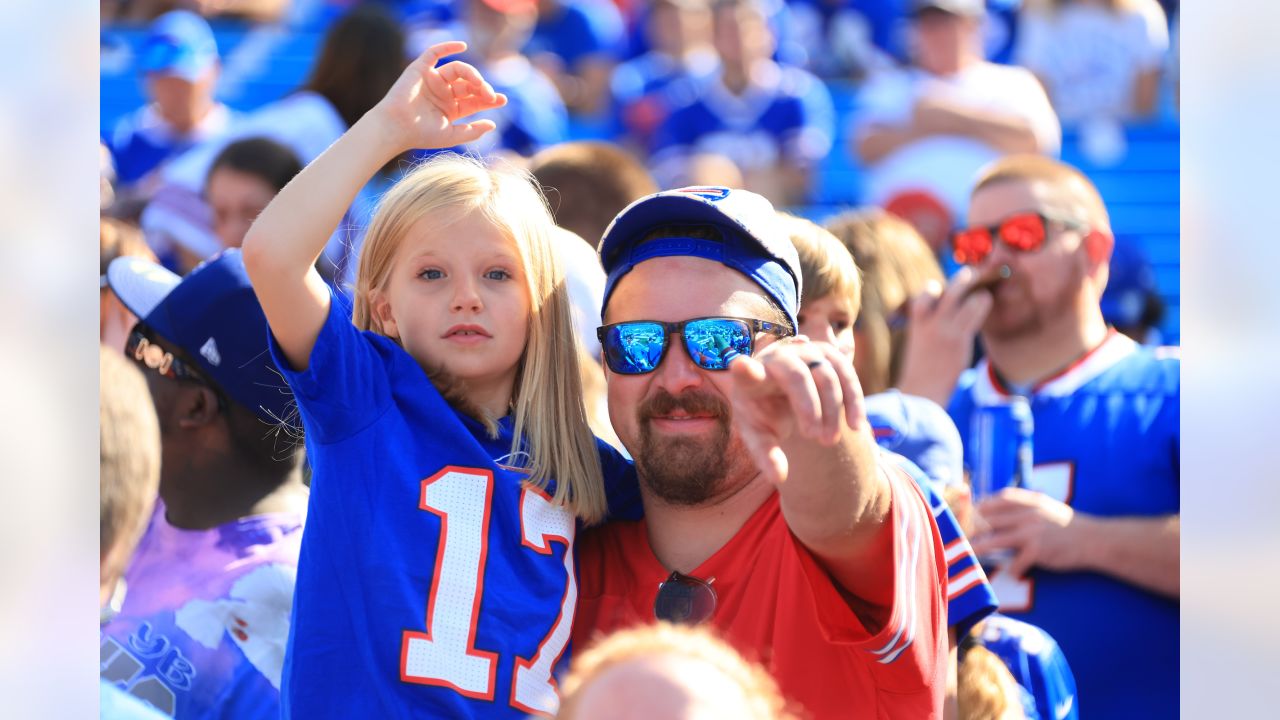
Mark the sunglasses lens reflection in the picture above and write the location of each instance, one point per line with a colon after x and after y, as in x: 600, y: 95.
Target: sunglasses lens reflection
x: 634, y: 348
x: 713, y: 343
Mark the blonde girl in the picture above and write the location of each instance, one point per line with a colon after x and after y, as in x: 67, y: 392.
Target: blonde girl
x: 444, y: 421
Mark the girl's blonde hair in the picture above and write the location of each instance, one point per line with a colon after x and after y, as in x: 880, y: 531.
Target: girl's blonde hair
x: 550, y: 429
x: 896, y: 264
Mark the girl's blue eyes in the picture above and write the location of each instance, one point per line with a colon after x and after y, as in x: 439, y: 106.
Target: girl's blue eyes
x: 436, y: 274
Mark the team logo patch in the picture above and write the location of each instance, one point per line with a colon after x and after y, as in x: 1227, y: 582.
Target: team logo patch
x: 710, y: 192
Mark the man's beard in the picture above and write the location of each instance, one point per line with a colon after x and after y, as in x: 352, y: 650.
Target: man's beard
x: 687, y: 470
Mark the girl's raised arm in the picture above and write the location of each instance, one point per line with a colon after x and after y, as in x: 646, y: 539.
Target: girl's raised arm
x: 281, y: 248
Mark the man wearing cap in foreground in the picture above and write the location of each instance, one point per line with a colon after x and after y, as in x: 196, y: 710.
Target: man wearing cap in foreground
x: 767, y: 514
x: 205, y: 615
x: 179, y: 62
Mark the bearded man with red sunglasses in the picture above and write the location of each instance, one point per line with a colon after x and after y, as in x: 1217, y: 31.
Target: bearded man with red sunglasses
x: 1091, y: 538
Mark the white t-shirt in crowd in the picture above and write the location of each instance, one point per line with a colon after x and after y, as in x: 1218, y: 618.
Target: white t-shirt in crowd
x: 945, y: 165
x: 1090, y: 57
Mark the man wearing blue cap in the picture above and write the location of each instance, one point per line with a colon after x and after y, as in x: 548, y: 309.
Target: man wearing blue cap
x: 179, y: 64
x: 767, y: 513
x: 205, y: 616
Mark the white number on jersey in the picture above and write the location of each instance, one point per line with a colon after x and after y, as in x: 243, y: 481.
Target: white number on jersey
x: 445, y: 655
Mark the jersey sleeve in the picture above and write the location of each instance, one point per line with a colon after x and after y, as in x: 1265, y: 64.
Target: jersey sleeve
x: 970, y: 597
x: 346, y: 385
x: 811, y: 140
x: 909, y: 652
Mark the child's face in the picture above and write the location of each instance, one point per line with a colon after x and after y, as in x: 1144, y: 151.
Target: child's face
x: 828, y: 319
x: 458, y: 299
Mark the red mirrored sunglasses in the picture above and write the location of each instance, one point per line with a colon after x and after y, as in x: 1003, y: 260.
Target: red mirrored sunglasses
x: 1024, y: 232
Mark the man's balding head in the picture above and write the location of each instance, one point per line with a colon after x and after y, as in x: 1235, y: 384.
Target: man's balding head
x: 1065, y: 188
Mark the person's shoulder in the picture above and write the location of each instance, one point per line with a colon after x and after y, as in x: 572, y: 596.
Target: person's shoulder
x: 1147, y: 370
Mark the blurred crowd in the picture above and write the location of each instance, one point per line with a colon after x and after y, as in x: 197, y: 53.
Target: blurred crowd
x: 610, y: 101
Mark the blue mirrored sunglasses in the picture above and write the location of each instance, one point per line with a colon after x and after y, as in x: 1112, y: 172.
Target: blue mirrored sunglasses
x: 637, y: 347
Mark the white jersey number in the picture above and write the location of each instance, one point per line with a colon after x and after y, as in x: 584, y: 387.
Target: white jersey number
x: 446, y: 654
x: 1057, y: 481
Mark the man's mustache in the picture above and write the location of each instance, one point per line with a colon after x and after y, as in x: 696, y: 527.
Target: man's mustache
x: 692, y: 403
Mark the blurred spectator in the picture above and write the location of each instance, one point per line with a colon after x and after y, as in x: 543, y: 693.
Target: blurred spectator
x: 577, y: 43
x: 588, y: 183
x: 142, y: 10
x: 106, y: 177
x: 923, y: 132
x: 896, y: 266
x: 129, y: 474
x: 1097, y: 58
x: 244, y: 177
x: 203, y: 627
x: 534, y: 116
x: 116, y: 238
x: 1096, y: 525
x: 679, y: 34
x: 1131, y: 303
x: 179, y: 64
x: 775, y: 122
x: 362, y: 55
x: 840, y: 35
x: 668, y: 671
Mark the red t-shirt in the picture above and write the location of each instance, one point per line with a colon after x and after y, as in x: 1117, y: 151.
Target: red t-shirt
x: 778, y: 607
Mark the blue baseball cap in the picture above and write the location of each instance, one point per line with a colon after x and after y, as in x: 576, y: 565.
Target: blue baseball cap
x: 179, y: 43
x: 753, y: 242
x: 921, y: 431
x: 214, y: 317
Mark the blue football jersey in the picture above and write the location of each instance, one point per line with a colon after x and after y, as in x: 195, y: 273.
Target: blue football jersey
x: 969, y: 595
x: 1106, y: 443
x: 432, y: 582
x: 787, y: 115
x: 1037, y: 663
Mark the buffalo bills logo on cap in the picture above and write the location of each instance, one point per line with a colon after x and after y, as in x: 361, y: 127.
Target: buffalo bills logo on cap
x: 710, y: 192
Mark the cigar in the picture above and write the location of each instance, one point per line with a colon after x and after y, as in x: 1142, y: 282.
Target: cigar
x: 991, y: 279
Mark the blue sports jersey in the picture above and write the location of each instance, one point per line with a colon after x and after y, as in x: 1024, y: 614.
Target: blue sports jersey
x: 1106, y: 443
x: 432, y: 582
x: 1037, y: 663
x: 969, y: 595
x: 786, y: 116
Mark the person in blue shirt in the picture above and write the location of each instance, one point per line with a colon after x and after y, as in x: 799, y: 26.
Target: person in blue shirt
x: 179, y: 64
x: 1096, y: 526
x: 578, y: 43
x: 443, y: 419
x: 679, y: 37
x: 774, y: 121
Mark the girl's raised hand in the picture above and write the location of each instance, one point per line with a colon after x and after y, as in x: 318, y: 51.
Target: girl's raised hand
x: 424, y: 106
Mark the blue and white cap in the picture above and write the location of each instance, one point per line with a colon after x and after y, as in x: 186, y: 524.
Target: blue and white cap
x: 213, y: 315
x: 921, y: 431
x: 753, y: 242
x: 179, y: 43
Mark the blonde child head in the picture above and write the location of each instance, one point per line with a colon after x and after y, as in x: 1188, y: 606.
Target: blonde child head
x: 546, y: 397
x: 831, y: 281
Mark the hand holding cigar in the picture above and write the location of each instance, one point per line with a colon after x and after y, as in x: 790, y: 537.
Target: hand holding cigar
x: 942, y: 327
